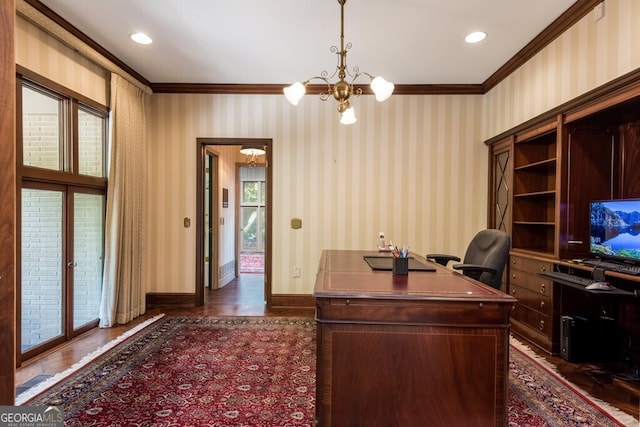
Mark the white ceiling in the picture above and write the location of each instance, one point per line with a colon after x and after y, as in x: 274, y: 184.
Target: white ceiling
x: 281, y: 41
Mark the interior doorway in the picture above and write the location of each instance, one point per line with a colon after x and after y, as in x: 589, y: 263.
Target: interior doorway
x: 221, y: 238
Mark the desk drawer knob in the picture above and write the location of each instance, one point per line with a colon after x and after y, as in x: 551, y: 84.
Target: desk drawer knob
x: 543, y: 268
x: 542, y: 325
x: 513, y: 291
x: 543, y: 288
x: 541, y: 304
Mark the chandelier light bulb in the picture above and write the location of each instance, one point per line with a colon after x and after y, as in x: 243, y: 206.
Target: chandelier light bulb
x: 381, y: 88
x: 294, y: 93
x: 348, y: 117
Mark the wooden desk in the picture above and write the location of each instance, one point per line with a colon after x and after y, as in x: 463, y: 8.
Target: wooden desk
x: 427, y: 349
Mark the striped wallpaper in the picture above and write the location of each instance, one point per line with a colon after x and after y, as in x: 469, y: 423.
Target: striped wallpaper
x: 588, y: 55
x: 414, y: 167
x: 45, y: 55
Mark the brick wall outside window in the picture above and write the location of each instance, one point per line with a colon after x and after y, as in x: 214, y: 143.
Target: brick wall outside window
x: 40, y: 140
x: 41, y: 266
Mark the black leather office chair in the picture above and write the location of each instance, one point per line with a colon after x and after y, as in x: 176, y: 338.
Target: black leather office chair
x: 485, y: 258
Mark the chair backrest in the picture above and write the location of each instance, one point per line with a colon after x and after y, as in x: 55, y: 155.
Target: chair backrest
x: 489, y: 248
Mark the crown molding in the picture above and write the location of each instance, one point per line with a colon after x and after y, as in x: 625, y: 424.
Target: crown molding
x: 276, y: 89
x: 572, y: 15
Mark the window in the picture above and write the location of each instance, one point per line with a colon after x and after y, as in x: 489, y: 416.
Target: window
x: 90, y: 143
x: 62, y: 141
x: 252, y: 209
x: 43, y: 129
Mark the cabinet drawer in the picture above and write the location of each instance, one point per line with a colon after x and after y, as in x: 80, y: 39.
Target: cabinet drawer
x: 519, y: 312
x: 531, y: 299
x: 530, y: 281
x: 536, y: 321
x: 530, y: 265
x: 520, y: 293
x: 540, y: 285
x: 519, y: 277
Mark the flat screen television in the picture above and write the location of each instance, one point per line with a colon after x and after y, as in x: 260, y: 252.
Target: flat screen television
x: 614, y: 229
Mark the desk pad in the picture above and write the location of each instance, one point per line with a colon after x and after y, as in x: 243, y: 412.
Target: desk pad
x: 386, y: 263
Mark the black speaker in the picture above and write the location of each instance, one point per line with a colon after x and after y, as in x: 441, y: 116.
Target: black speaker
x: 573, y: 338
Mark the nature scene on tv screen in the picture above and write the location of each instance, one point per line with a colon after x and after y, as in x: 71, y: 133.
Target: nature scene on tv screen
x: 615, y: 228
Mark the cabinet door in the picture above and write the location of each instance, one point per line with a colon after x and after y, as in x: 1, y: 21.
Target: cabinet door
x: 629, y: 158
x: 501, y: 185
x: 590, y: 155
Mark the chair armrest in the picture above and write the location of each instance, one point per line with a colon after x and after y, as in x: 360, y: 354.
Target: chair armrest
x: 442, y: 259
x: 473, y: 268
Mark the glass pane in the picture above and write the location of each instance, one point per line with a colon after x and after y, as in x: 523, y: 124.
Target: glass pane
x: 41, y: 266
x: 41, y: 130
x: 90, y: 144
x: 262, y: 193
x: 88, y: 214
x: 249, y: 228
x: 502, y: 194
x: 250, y: 192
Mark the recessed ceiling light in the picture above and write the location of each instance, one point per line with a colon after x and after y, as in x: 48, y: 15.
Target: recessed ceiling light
x: 141, y: 38
x: 475, y: 37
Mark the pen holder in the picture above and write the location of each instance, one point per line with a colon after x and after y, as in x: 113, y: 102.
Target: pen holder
x: 400, y: 266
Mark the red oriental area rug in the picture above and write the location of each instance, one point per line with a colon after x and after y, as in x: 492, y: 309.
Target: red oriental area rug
x: 257, y: 371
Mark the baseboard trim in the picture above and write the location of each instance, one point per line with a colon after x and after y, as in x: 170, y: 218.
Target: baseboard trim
x: 159, y: 300
x: 292, y: 300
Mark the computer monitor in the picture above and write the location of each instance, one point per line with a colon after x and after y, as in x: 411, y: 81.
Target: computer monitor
x: 614, y: 229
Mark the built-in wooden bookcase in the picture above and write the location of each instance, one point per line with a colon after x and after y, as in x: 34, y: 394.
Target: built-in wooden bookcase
x: 535, y: 195
x: 584, y: 151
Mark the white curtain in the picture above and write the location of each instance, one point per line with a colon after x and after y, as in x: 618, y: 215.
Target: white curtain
x: 124, y: 281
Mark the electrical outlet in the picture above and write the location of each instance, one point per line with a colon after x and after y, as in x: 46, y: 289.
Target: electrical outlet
x: 296, y: 271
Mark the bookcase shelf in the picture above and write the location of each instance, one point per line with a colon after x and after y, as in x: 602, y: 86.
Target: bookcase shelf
x: 534, y: 191
x: 543, y: 164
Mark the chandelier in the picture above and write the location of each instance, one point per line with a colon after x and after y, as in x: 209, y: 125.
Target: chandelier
x: 341, y: 90
x: 252, y: 154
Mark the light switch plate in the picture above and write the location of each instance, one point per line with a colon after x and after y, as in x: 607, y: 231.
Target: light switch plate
x: 296, y: 223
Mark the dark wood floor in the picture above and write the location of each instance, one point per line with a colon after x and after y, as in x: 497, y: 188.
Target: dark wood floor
x: 244, y: 297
